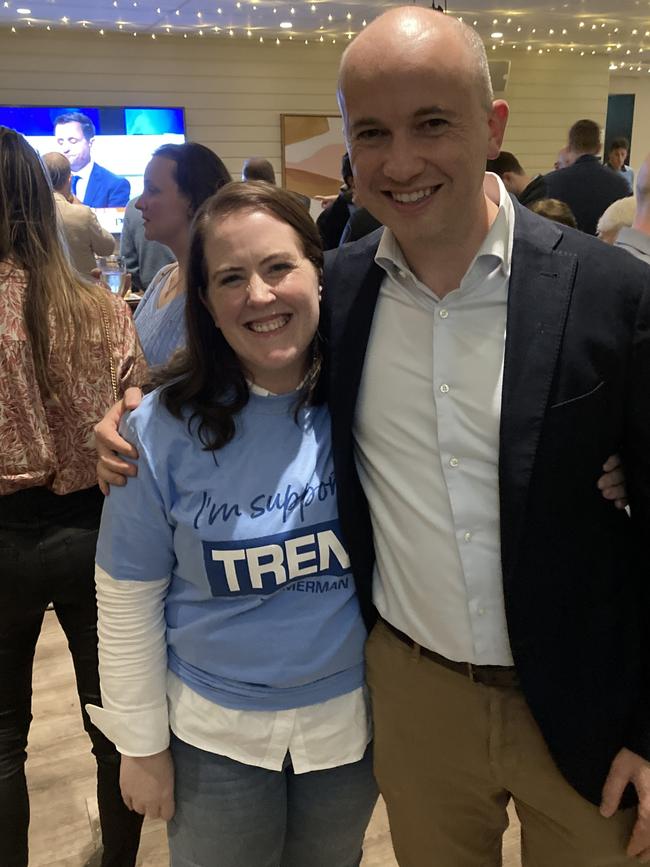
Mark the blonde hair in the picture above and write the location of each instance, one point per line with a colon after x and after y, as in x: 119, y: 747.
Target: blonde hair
x: 56, y: 296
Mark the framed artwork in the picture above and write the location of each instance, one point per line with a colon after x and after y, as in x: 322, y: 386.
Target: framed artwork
x: 312, y: 149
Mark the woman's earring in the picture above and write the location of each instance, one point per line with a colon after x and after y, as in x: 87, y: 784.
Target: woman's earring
x: 320, y: 292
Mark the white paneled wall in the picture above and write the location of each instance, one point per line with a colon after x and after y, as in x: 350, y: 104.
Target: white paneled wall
x: 234, y: 91
x: 547, y: 93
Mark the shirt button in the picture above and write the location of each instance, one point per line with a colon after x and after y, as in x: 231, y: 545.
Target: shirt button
x: 453, y: 462
x: 444, y: 388
x: 444, y: 313
x: 481, y: 612
x: 401, y: 274
x: 468, y: 536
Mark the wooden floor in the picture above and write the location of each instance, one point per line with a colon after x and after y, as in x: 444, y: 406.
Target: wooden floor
x: 64, y: 829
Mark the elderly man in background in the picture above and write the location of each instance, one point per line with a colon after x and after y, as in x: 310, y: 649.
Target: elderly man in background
x: 84, y: 236
x: 614, y: 219
x: 636, y: 238
x: 484, y: 362
x: 587, y: 186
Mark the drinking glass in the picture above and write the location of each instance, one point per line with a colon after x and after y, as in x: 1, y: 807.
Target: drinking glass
x: 114, y: 272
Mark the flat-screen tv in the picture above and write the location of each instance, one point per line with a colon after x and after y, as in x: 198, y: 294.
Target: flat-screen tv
x: 108, y: 147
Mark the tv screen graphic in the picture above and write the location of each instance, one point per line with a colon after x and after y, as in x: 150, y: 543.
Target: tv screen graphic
x: 108, y: 147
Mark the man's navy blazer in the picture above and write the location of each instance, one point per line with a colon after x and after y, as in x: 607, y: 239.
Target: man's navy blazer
x: 106, y: 190
x: 576, y: 389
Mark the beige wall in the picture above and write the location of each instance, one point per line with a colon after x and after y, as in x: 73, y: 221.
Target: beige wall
x: 234, y: 91
x: 640, y: 87
x: 546, y: 94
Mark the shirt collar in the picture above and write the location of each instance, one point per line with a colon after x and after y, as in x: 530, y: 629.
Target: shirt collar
x: 85, y: 171
x: 630, y: 237
x: 494, y: 252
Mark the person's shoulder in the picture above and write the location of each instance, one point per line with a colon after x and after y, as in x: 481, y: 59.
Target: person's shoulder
x: 152, y: 423
x: 104, y: 172
x: 604, y: 262
x: 106, y: 176
x: 356, y: 251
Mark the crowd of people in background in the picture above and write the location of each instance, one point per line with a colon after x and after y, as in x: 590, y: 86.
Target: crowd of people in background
x: 379, y: 522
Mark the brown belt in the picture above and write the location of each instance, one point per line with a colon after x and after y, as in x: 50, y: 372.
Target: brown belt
x: 488, y: 675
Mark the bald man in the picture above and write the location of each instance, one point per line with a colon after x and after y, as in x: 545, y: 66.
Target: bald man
x: 636, y: 240
x: 259, y: 169
x: 484, y: 364
x: 84, y: 236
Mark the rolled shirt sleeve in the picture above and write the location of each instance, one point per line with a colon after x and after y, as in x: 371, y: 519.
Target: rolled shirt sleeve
x: 135, y: 559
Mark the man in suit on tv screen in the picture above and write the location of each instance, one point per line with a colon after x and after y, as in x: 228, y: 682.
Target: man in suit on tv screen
x: 92, y: 184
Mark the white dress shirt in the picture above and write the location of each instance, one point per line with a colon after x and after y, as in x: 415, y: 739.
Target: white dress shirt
x: 426, y: 437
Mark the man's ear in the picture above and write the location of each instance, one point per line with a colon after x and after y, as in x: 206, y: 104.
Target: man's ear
x: 497, y: 120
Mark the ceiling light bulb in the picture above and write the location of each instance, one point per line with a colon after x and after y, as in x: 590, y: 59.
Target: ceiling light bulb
x: 23, y: 11
x: 496, y: 35
x: 286, y: 25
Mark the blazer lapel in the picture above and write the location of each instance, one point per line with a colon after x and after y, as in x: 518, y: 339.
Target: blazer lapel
x: 541, y: 283
x: 358, y: 279
x: 91, y: 186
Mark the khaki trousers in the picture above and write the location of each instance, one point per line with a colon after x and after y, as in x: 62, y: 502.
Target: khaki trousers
x: 449, y: 756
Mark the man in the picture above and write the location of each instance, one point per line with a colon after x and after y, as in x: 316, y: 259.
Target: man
x: 484, y: 362
x: 143, y: 258
x: 259, y: 169
x: 466, y: 473
x: 84, y: 236
x: 586, y: 186
x: 616, y: 156
x: 337, y: 210
x: 564, y: 159
x: 92, y: 184
x: 343, y: 220
x: 636, y: 240
x: 526, y: 188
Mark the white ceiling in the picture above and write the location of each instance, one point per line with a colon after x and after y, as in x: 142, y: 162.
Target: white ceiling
x: 619, y: 29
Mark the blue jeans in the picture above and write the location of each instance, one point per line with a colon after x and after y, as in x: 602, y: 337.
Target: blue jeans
x: 233, y: 815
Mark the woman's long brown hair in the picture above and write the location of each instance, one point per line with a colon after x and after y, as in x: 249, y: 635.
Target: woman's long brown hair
x: 207, y: 378
x: 56, y: 295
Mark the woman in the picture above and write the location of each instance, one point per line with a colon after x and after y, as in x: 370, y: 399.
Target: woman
x: 227, y: 608
x: 176, y: 181
x: 60, y: 336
